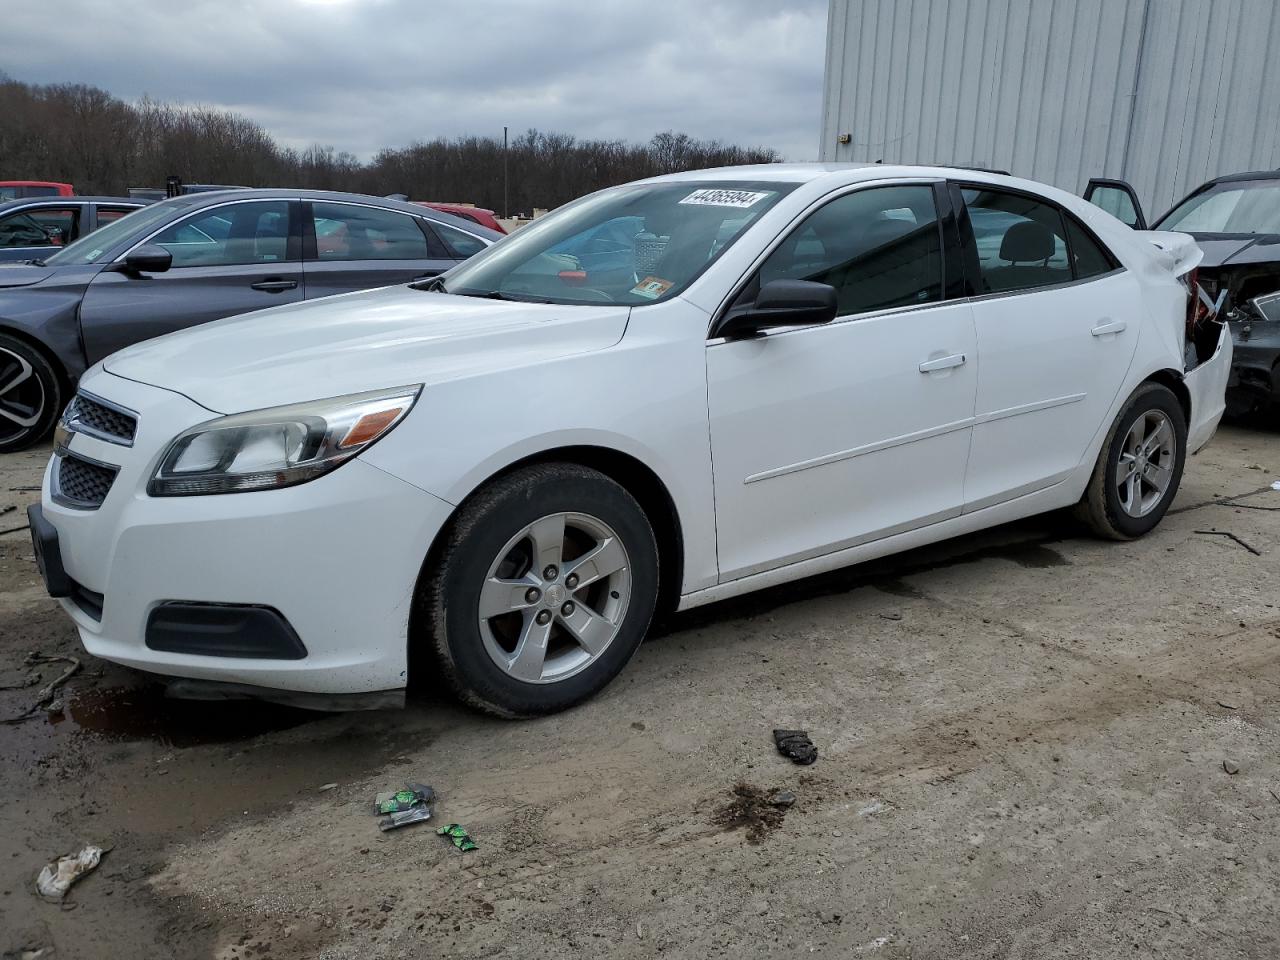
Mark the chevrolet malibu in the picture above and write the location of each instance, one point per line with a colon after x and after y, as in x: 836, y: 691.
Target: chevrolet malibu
x: 500, y: 475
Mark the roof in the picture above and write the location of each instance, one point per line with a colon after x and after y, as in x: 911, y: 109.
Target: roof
x: 63, y: 201
x: 195, y: 201
x: 33, y: 183
x: 1252, y: 175
x: 807, y: 172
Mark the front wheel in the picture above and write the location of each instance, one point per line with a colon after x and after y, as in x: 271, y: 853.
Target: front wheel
x: 544, y: 588
x: 1140, y: 466
x: 30, y: 395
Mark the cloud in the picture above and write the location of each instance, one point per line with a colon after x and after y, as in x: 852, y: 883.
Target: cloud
x: 363, y: 74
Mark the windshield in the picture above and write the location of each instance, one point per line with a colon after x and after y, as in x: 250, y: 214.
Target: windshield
x: 1242, y: 206
x: 634, y: 244
x: 91, y: 247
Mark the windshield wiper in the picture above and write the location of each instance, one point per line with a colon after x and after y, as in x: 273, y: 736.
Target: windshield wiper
x: 499, y: 295
x: 431, y: 285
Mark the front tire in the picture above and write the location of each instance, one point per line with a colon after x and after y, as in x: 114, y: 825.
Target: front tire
x: 30, y: 395
x: 544, y: 588
x: 1139, y: 467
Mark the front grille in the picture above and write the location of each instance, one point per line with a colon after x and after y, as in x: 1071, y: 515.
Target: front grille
x: 82, y: 483
x: 94, y: 417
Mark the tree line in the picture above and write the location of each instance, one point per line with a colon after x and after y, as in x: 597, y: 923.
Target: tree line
x: 83, y: 135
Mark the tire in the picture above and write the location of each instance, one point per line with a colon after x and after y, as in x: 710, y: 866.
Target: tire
x: 1111, y: 506
x: 32, y: 398
x: 509, y: 533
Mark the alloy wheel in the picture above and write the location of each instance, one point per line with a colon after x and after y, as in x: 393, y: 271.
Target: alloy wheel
x: 555, y: 598
x: 22, y: 395
x: 1146, y: 463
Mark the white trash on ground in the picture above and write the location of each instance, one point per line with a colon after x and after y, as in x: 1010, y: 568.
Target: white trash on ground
x: 56, y: 878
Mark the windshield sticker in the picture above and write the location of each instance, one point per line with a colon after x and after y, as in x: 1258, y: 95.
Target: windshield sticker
x: 725, y: 198
x: 651, y: 288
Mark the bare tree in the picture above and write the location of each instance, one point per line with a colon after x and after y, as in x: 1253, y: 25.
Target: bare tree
x: 85, y: 136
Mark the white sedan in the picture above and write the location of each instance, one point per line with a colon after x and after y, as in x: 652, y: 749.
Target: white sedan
x: 661, y: 395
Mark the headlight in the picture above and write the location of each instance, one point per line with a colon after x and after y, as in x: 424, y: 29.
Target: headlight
x: 278, y: 447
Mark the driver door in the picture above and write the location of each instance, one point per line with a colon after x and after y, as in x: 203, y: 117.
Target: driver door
x: 830, y: 436
x: 227, y: 260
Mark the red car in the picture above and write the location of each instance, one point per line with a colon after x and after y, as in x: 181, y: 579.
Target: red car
x: 486, y: 218
x: 21, y: 189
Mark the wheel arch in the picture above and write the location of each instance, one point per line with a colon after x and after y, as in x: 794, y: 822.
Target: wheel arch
x: 35, y: 343
x: 1175, y: 382
x: 629, y: 472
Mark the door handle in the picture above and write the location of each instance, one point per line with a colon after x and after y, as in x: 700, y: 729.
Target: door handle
x: 1113, y: 326
x: 942, y: 363
x: 274, y: 285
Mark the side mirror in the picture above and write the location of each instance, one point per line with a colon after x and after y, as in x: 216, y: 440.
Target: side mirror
x: 148, y: 258
x: 782, y: 303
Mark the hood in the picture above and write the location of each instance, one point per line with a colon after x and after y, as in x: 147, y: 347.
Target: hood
x: 22, y: 274
x: 361, y: 341
x: 1221, y: 249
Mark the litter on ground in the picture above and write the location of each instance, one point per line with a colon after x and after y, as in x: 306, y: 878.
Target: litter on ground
x: 795, y: 745
x: 56, y: 878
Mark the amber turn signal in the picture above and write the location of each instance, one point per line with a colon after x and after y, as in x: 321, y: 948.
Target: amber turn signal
x: 369, y: 427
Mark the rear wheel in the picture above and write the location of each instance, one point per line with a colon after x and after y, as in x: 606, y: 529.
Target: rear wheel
x: 544, y: 589
x: 30, y: 395
x: 1140, y: 466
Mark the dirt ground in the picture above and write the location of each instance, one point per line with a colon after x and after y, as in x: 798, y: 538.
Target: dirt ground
x: 1021, y: 740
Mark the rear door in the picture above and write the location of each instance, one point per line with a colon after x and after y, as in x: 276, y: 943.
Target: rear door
x: 228, y: 259
x: 1057, y: 324
x: 352, y: 246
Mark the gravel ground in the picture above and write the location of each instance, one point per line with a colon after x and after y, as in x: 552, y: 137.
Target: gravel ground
x: 1021, y: 740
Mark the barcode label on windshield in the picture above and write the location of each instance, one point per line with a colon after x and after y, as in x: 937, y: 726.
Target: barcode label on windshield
x: 725, y: 198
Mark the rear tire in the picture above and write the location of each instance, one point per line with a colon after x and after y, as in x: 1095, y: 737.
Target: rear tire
x: 30, y: 395
x: 1139, y: 467
x: 522, y: 622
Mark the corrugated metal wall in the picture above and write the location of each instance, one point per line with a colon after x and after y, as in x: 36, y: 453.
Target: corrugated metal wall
x: 1163, y: 93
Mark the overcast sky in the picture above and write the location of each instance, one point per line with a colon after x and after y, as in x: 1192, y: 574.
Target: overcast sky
x: 362, y: 74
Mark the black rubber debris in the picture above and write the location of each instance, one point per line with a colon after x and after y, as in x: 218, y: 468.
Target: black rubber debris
x: 796, y: 746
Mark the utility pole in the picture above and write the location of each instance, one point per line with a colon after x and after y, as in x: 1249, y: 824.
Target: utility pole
x: 506, y: 197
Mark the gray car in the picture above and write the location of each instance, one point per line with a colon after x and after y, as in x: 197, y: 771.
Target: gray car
x: 197, y: 258
x: 39, y: 226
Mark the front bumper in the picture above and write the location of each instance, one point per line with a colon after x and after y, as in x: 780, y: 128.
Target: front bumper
x: 337, y: 558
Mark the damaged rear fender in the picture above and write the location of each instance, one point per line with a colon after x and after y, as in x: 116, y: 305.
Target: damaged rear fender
x: 1207, y: 385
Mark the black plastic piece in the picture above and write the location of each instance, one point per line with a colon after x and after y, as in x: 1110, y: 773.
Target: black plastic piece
x: 223, y: 630
x: 44, y: 540
x: 89, y: 602
x: 188, y: 689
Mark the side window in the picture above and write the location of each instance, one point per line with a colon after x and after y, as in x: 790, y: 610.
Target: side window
x: 1116, y: 202
x: 41, y: 227
x: 1088, y: 257
x: 880, y: 248
x: 461, y: 245
x: 1021, y: 241
x: 112, y: 214
x: 237, y: 233
x: 350, y: 232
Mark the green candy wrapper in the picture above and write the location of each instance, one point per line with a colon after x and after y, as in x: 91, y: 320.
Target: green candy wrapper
x: 458, y: 834
x: 413, y: 795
